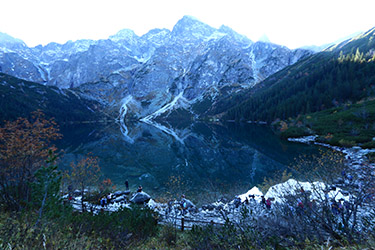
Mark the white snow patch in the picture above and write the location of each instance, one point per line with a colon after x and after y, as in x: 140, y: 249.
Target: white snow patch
x: 164, y: 109
x: 357, y: 155
x: 121, y: 118
x: 124, y: 108
x: 41, y: 72
x: 293, y: 187
x: 90, y: 109
x: 254, y: 65
x: 111, y: 207
x: 247, y: 46
x: 254, y: 191
x: 125, y: 132
x: 142, y: 59
x: 305, y: 139
x: 215, y: 36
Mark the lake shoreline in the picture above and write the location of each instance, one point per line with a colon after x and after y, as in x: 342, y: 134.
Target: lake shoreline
x: 217, y: 212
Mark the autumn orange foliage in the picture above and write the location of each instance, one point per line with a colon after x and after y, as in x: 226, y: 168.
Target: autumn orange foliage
x: 24, y: 147
x: 84, y: 174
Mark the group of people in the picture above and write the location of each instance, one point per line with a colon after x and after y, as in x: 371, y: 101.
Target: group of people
x: 266, y: 203
x: 105, y: 200
x: 339, y: 207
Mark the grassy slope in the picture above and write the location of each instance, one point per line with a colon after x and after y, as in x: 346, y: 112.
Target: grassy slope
x: 347, y: 125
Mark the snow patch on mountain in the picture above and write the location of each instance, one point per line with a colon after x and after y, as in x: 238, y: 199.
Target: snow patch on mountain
x: 215, y: 36
x: 124, y: 108
x: 164, y: 109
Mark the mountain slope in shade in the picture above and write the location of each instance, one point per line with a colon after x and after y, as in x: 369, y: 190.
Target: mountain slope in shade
x: 341, y: 74
x: 18, y: 98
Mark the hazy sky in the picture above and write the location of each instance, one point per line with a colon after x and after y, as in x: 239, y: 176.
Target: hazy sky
x: 293, y: 23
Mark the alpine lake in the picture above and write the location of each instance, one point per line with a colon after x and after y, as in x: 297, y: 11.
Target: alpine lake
x: 204, y: 161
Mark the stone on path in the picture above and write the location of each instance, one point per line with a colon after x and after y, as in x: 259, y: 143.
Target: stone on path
x: 140, y: 198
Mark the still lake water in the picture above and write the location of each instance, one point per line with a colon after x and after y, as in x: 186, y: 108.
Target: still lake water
x: 204, y: 161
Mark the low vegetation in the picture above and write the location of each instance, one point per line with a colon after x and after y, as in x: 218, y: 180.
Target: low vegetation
x: 347, y: 126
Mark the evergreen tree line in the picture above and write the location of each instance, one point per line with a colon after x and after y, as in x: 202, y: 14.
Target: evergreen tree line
x: 20, y: 98
x: 322, y: 82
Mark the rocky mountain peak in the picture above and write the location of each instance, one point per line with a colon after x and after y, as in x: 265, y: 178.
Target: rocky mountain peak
x: 264, y: 38
x: 8, y: 42
x: 190, y: 27
x: 125, y: 34
x: 156, y: 36
x: 5, y: 38
x: 234, y: 35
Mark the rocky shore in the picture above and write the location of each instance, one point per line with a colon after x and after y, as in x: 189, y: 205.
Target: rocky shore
x: 220, y: 211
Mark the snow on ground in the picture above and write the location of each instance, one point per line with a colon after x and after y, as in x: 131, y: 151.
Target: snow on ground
x: 124, y: 108
x: 293, y: 187
x: 254, y: 191
x: 121, y: 118
x: 305, y: 139
x: 112, y: 207
x: 164, y: 109
x: 355, y: 154
x: 215, y: 36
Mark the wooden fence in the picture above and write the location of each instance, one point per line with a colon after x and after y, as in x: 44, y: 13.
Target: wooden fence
x: 186, y: 222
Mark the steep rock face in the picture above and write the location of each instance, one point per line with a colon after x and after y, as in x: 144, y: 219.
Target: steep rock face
x: 192, y: 62
x: 89, y: 66
x: 222, y: 64
x: 270, y: 58
x: 13, y: 64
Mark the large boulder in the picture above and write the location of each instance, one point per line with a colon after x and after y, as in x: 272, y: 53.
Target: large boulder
x: 119, y: 199
x: 118, y: 193
x: 188, y: 204
x: 140, y: 198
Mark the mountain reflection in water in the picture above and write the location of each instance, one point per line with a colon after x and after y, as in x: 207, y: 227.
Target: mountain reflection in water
x: 204, y: 161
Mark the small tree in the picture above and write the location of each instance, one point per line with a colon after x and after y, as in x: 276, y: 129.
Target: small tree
x: 24, y: 147
x: 84, y: 174
x: 46, y: 189
x: 106, y: 186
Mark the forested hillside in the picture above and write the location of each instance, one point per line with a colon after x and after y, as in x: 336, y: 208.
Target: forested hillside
x: 344, y: 73
x: 20, y: 98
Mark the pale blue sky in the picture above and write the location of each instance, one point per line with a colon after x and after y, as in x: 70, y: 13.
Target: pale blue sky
x: 292, y: 23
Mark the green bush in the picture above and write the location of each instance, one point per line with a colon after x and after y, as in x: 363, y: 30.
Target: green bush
x: 227, y: 236
x: 293, y: 132
x: 119, y: 226
x: 17, y: 231
x: 115, y: 230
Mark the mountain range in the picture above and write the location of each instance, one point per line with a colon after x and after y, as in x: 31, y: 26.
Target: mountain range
x: 192, y: 72
x: 189, y: 67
